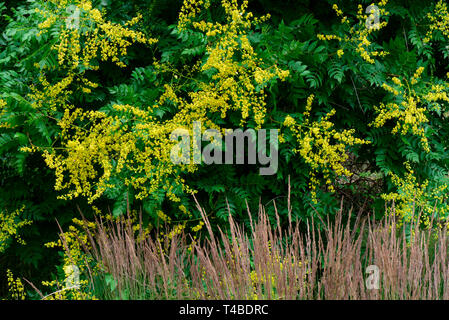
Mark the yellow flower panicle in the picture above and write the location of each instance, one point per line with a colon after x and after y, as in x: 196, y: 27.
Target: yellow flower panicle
x: 9, y: 226
x: 91, y: 35
x: 134, y: 141
x: 439, y: 21
x: 357, y: 36
x: 73, y: 243
x: 80, y: 47
x: 16, y: 289
x: 414, y: 199
x: 411, y: 107
x: 3, y: 111
x: 322, y: 147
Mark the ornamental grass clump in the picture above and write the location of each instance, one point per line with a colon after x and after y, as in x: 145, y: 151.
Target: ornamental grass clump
x: 266, y: 261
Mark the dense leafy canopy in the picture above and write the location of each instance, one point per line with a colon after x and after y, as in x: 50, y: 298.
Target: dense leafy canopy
x: 91, y: 90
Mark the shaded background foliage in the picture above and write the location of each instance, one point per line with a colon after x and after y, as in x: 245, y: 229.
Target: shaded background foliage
x: 288, y: 39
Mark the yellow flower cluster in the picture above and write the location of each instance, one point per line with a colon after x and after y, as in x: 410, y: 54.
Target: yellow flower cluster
x: 3, y: 111
x: 415, y: 199
x: 328, y: 37
x: 9, y: 225
x: 51, y: 97
x: 16, y: 289
x: 91, y: 37
x: 165, y: 238
x: 235, y: 82
x: 417, y: 75
x: 62, y: 293
x: 177, y: 230
x: 266, y: 275
x: 409, y: 109
x: 357, y: 35
x: 2, y: 105
x: 73, y: 243
x: 189, y: 10
x: 439, y: 21
x: 80, y: 48
x: 322, y: 147
x: 198, y: 227
x: 340, y: 53
x: 134, y: 140
x: 87, y: 149
x: 163, y: 216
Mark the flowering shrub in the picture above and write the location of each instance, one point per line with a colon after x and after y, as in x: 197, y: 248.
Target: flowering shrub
x: 9, y: 226
x: 90, y: 93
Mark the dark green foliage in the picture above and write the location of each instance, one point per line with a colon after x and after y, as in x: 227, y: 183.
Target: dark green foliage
x: 348, y: 84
